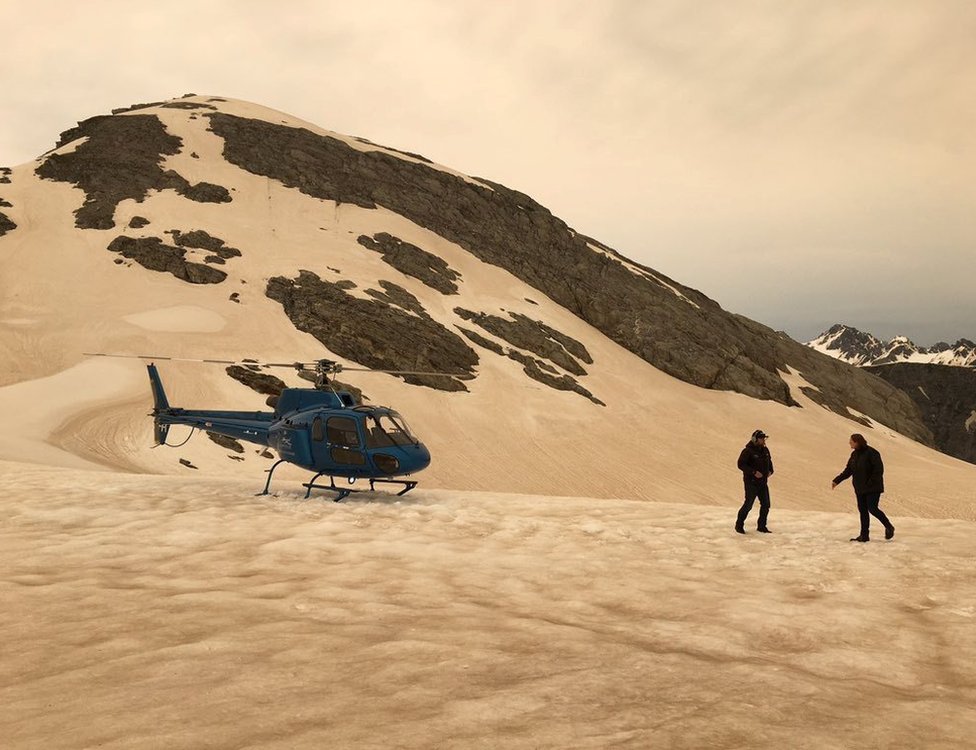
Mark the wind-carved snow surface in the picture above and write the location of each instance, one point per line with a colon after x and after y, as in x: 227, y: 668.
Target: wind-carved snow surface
x: 168, y: 612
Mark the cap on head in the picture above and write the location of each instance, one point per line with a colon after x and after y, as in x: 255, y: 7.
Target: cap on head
x: 759, y: 434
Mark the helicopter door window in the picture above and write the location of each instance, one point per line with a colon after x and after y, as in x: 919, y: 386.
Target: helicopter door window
x: 317, y: 432
x: 342, y: 431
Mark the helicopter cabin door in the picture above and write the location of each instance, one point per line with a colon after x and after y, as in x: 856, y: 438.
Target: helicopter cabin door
x: 292, y: 445
x: 339, y: 439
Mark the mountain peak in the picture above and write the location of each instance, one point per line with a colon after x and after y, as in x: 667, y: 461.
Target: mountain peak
x: 848, y: 344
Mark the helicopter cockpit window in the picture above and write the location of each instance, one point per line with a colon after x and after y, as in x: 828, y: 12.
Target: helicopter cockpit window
x: 342, y: 430
x: 317, y: 432
x: 384, y: 430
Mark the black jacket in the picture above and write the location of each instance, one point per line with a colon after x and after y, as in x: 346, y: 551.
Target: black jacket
x: 866, y: 470
x: 755, y: 457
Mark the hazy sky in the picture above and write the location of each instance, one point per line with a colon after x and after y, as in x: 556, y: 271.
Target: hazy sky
x: 802, y: 162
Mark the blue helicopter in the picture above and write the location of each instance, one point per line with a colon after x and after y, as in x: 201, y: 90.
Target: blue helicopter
x: 319, y: 429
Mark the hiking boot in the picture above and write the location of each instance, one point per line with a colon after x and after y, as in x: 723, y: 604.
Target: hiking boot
x: 860, y: 539
x: 739, y: 529
x: 764, y: 530
x: 889, y: 532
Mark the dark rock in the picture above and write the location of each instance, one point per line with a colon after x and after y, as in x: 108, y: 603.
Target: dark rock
x: 413, y: 261
x: 235, y: 297
x: 5, y: 204
x: 151, y: 253
x: 675, y: 328
x: 187, y: 463
x: 373, y: 333
x: 134, y: 107
x: 482, y: 341
x: 194, y: 155
x: 215, y: 259
x: 946, y: 397
x: 393, y: 294
x: 188, y: 105
x: 203, y: 192
x: 120, y: 159
x: 6, y: 224
x: 201, y: 240
x: 534, y: 336
x: 226, y: 442
x: 5, y: 173
x: 531, y: 301
x: 534, y: 369
x: 261, y: 382
x: 138, y: 222
x: 396, y: 150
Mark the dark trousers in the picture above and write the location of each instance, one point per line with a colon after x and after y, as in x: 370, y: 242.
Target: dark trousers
x: 755, y: 490
x: 867, y: 506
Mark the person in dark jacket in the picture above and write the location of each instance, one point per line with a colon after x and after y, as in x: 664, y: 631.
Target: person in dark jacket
x: 866, y: 470
x: 756, y: 465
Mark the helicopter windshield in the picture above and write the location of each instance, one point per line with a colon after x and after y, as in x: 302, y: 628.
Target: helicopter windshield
x: 383, y: 430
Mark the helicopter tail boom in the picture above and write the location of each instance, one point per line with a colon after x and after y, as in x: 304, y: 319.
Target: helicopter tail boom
x: 160, y: 404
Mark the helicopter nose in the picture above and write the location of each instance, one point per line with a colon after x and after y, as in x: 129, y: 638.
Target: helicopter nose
x: 416, y: 457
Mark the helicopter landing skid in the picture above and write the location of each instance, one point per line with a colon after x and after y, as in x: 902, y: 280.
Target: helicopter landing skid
x: 344, y: 492
x: 341, y: 492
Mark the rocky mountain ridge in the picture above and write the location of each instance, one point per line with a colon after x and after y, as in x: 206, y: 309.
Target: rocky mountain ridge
x: 858, y: 348
x: 380, y: 257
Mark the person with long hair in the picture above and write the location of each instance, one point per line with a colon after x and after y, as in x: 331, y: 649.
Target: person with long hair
x: 866, y: 470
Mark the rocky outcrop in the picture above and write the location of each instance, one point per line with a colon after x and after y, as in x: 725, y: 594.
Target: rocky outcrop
x: 201, y: 240
x: 374, y: 333
x: 673, y: 327
x: 413, y: 261
x: 5, y: 173
x: 392, y: 294
x: 6, y: 224
x: 138, y: 222
x: 152, y: 253
x: 188, y: 105
x: 946, y: 398
x: 528, y: 334
x: 534, y: 336
x: 120, y: 159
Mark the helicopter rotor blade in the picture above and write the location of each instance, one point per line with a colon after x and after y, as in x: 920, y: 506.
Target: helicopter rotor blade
x: 331, y: 367
x: 461, y: 375
x: 163, y: 358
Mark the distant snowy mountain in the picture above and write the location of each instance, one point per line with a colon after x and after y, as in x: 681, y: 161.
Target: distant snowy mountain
x: 940, y: 379
x: 858, y: 348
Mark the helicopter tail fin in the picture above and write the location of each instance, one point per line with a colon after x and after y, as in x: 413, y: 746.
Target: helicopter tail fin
x: 160, y: 404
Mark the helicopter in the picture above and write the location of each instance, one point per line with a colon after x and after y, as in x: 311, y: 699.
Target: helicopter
x: 319, y: 429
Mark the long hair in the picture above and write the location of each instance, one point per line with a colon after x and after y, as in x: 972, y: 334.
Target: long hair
x: 859, y: 440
